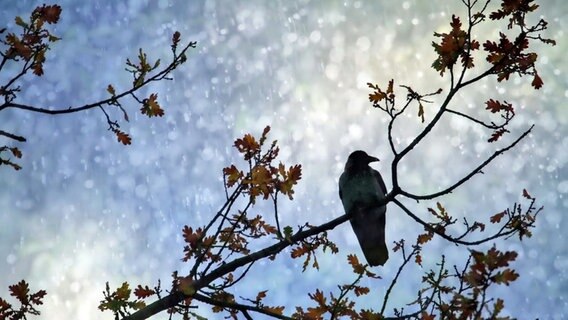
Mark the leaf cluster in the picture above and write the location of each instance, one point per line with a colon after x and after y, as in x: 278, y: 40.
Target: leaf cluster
x: 28, y: 302
x: 27, y: 51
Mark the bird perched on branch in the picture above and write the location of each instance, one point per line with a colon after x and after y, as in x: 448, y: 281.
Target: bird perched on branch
x: 361, y: 188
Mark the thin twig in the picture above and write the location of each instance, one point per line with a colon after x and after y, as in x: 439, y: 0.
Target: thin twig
x: 468, y: 176
x: 393, y: 282
x: 12, y: 136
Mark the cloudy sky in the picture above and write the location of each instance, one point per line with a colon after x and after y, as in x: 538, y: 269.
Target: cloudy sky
x: 85, y: 210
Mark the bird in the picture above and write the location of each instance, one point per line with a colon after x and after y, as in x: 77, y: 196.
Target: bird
x: 361, y: 188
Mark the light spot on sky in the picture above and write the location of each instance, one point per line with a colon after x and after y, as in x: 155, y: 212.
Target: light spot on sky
x: 315, y: 36
x: 363, y: 43
x: 89, y: 184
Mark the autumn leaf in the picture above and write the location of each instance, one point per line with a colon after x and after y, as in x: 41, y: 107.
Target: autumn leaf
x: 19, y: 21
x: 398, y: 245
x: 110, y: 89
x: 525, y: 194
x: 505, y: 277
x: 17, y: 47
x: 359, y: 290
x: 233, y: 175
x: 496, y: 218
x: 261, y: 179
x: 421, y: 111
x: 498, y: 307
x: 390, y: 90
x: 123, y: 292
x: 20, y: 291
x: 123, y: 137
x: 264, y: 134
x: 418, y: 259
x: 425, y: 237
x: 318, y: 297
x: 493, y: 106
x: 537, y: 81
x: 377, y: 96
x: 369, y: 315
x: 358, y: 268
x: 151, y: 108
x: 248, y: 146
x: 478, y: 225
x: 37, y: 298
x: 426, y: 316
x: 175, y: 40
x: 269, y: 229
x: 48, y: 13
x: 293, y: 174
x: 261, y: 295
x: 299, y: 251
x: 143, y: 292
x: 52, y: 38
x: 276, y: 310
x: 16, y: 152
x: 190, y: 237
x: 497, y: 134
x: 453, y: 45
x: 185, y: 286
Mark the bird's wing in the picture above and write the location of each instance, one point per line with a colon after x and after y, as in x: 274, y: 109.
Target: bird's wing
x: 380, y: 181
x: 341, y: 183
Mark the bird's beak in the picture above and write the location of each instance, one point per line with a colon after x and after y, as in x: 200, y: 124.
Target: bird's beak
x: 372, y: 159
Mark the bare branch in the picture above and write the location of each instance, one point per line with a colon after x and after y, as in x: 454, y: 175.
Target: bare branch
x: 492, y: 126
x: 393, y: 282
x: 469, y: 175
x: 237, y: 306
x: 455, y: 240
x: 157, y: 77
x: 12, y: 136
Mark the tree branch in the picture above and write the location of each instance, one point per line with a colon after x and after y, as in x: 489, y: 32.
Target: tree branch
x: 492, y: 126
x: 238, y: 306
x: 12, y: 136
x: 159, y: 76
x: 428, y: 227
x: 393, y: 282
x: 176, y: 297
x: 468, y: 176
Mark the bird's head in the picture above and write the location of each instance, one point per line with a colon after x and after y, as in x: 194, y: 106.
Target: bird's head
x: 359, y: 159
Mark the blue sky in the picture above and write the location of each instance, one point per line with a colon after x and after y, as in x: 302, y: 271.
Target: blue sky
x: 85, y: 210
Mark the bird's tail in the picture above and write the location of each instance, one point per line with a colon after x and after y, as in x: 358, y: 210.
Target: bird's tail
x: 369, y: 227
x: 376, y: 255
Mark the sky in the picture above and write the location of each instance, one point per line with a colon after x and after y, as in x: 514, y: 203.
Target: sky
x: 85, y: 210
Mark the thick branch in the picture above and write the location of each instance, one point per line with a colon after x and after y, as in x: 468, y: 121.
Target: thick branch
x: 176, y: 297
x: 431, y: 124
x: 414, y: 143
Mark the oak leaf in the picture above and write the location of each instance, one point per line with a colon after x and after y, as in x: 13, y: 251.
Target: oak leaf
x: 496, y: 218
x: 143, y: 292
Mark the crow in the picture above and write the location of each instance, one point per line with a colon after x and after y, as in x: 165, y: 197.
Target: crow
x: 361, y: 188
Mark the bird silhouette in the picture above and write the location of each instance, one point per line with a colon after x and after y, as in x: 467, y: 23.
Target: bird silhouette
x: 361, y: 188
